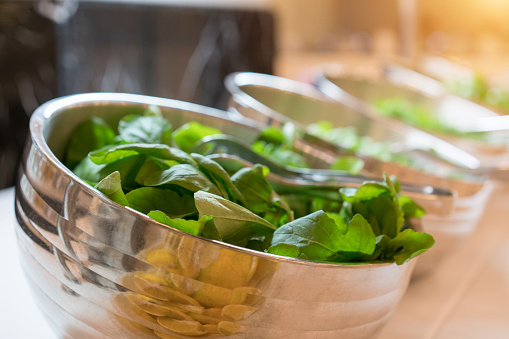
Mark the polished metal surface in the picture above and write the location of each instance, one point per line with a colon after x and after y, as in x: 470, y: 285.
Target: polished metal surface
x: 100, y: 270
x: 274, y: 100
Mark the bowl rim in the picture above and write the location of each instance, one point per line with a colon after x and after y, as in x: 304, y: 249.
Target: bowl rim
x: 234, y: 82
x: 58, y: 106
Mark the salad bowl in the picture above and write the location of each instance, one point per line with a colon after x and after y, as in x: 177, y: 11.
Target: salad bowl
x: 275, y: 100
x: 470, y: 123
x: 101, y: 270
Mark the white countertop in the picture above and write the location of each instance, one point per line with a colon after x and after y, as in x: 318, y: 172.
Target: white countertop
x: 20, y: 317
x: 466, y: 297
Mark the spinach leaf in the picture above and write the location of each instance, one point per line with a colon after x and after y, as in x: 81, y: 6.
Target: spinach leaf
x: 358, y: 241
x: 91, y: 134
x: 235, y: 224
x: 173, y: 204
x: 219, y: 177
x: 411, y: 209
x: 186, y: 136
x: 112, y: 188
x: 378, y: 203
x: 315, y: 235
x: 286, y: 250
x: 145, y: 129
x: 183, y: 175
x: 320, y: 237
x: 409, y: 244
x: 113, y: 153
x: 89, y: 171
x: 259, y: 195
x: 127, y: 167
x: 194, y: 227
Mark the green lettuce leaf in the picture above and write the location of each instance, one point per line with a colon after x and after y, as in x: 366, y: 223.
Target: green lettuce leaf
x: 173, y: 204
x: 145, y: 129
x: 285, y: 250
x: 194, y: 227
x: 219, y: 177
x: 186, y: 136
x: 112, y: 153
x: 183, y: 175
x: 91, y: 134
x: 235, y: 224
x: 409, y: 244
x: 259, y: 195
x: 111, y: 186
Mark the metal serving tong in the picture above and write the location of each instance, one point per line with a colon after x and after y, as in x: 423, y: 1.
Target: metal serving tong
x: 233, y: 154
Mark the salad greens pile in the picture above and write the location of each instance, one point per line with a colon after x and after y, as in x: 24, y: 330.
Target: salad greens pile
x: 477, y: 88
x: 414, y: 115
x: 277, y: 144
x: 143, y: 163
x: 349, y: 138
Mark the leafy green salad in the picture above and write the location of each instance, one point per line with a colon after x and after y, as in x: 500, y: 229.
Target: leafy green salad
x: 145, y: 163
x: 477, y: 88
x: 278, y: 145
x: 349, y: 138
x: 414, y: 115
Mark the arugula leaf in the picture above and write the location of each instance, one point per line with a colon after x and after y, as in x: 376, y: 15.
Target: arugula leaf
x: 112, y: 188
x: 145, y: 129
x: 235, y: 224
x: 186, y: 136
x: 409, y: 244
x: 90, y: 135
x: 194, y: 227
x: 173, y: 204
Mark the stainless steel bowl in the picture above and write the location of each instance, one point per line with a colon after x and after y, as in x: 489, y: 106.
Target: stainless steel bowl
x: 100, y: 270
x: 275, y: 100
x: 490, y: 130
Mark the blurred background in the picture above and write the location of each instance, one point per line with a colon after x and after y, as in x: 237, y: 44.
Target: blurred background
x: 184, y: 49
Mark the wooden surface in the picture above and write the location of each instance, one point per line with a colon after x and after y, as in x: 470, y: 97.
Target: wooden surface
x: 467, y: 296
